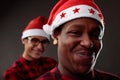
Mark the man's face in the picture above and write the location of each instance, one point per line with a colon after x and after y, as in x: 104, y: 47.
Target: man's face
x: 79, y: 45
x: 34, y: 47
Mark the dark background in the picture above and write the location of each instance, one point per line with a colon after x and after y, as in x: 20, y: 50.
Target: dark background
x: 15, y: 15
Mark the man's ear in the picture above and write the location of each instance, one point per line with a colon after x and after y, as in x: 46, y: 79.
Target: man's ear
x: 23, y: 41
x: 55, y: 41
x: 55, y: 36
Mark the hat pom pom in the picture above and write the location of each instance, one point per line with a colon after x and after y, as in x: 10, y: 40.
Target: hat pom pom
x: 47, y: 29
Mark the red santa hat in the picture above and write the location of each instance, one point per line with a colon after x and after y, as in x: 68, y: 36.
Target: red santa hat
x: 66, y: 10
x: 35, y: 28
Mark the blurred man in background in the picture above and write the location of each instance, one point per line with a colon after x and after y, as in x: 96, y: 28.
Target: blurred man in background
x: 32, y: 64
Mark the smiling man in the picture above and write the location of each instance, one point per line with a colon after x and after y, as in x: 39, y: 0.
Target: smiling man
x: 32, y: 64
x: 77, y: 27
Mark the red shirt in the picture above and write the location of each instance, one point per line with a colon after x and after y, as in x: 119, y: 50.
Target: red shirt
x: 55, y: 74
x: 29, y: 70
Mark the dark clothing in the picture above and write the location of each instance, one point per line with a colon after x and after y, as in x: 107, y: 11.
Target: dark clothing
x: 29, y: 70
x: 55, y: 74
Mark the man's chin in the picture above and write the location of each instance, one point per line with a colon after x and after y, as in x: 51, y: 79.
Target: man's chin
x: 36, y: 56
x: 84, y: 70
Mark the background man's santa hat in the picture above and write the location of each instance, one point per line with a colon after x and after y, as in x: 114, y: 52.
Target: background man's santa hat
x: 35, y: 28
x: 66, y: 10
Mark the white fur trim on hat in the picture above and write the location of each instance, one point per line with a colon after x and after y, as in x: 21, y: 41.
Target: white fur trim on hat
x: 47, y: 29
x: 70, y: 15
x: 35, y: 32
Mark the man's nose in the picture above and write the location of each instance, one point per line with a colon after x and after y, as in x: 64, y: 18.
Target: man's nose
x: 40, y: 46
x: 86, y: 41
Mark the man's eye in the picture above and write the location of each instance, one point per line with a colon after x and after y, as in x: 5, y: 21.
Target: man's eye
x: 35, y: 40
x: 45, y: 42
x: 75, y: 33
x: 95, y: 36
